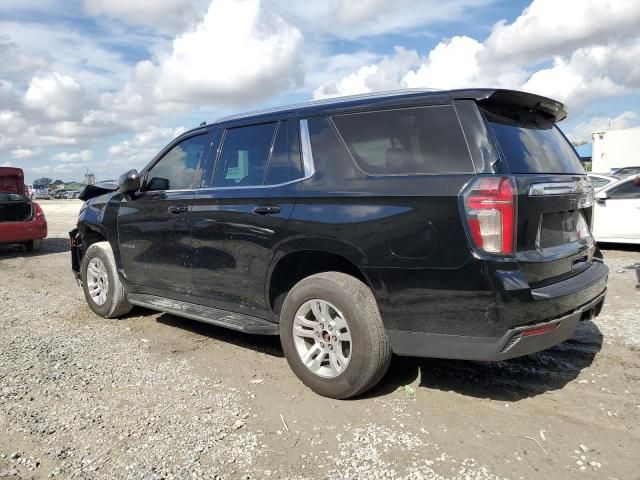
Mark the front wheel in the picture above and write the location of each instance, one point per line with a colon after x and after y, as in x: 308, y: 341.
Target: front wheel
x: 102, y: 287
x: 332, y: 335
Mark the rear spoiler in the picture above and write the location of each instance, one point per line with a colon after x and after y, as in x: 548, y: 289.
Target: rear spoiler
x: 552, y: 109
x: 90, y: 191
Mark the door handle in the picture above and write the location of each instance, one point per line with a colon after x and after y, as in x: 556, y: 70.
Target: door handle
x: 266, y: 209
x: 176, y: 209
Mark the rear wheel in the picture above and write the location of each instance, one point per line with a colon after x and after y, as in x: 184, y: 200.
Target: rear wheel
x: 332, y: 335
x: 102, y: 287
x: 33, y: 245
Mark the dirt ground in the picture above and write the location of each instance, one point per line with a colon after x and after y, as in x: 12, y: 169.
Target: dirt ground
x: 156, y: 396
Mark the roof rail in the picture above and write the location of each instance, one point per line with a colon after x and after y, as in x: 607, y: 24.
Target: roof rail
x: 327, y: 101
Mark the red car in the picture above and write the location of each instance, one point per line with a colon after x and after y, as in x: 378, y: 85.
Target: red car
x: 21, y: 220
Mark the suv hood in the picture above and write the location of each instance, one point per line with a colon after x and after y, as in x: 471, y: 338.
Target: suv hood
x: 11, y: 180
x: 100, y: 188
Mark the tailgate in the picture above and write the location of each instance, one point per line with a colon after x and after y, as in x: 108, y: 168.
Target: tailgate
x: 555, y: 196
x: 553, y: 237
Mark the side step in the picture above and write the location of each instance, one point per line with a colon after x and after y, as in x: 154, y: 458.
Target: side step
x: 215, y: 316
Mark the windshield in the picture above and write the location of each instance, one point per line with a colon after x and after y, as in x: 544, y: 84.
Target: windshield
x: 530, y: 142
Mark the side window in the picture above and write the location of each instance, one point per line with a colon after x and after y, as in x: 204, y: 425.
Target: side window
x: 630, y: 189
x: 244, y: 155
x: 181, y: 167
x: 406, y: 141
x: 285, y: 162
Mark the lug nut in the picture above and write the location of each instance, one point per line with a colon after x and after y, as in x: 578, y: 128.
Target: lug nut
x: 334, y: 338
x: 329, y: 328
x: 321, y: 345
x: 321, y: 325
x: 330, y: 347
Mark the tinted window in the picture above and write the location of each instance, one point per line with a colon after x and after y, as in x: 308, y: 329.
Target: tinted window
x: 244, y: 155
x: 181, y: 167
x: 531, y: 143
x: 330, y: 156
x: 285, y: 163
x: 405, y: 141
x: 630, y: 189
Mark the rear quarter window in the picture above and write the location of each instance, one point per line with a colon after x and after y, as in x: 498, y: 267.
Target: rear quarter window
x: 421, y: 140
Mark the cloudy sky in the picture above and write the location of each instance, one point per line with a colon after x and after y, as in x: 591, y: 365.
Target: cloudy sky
x: 102, y: 85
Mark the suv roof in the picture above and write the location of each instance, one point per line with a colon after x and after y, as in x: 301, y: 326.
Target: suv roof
x: 403, y: 97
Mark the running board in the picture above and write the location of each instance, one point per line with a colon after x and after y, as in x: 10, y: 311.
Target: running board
x: 215, y: 316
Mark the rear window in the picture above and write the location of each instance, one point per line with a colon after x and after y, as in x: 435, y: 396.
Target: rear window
x: 12, y: 197
x: 531, y: 143
x: 419, y: 140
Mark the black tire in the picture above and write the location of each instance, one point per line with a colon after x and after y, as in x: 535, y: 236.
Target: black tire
x: 116, y: 303
x: 33, y: 245
x: 370, y: 350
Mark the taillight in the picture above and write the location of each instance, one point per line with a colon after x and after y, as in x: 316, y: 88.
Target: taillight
x: 39, y: 211
x: 491, y: 214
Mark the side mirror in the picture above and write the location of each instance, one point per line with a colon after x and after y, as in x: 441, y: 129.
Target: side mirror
x: 601, y: 196
x: 129, y: 182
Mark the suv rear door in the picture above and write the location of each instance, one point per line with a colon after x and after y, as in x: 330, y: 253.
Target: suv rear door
x: 242, y: 213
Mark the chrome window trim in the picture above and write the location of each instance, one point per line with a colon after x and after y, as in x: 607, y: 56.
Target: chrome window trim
x: 305, y: 149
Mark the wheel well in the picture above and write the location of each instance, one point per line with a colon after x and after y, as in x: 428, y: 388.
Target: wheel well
x: 89, y: 237
x: 296, y: 266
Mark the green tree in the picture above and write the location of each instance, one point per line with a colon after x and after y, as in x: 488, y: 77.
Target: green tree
x: 43, y: 182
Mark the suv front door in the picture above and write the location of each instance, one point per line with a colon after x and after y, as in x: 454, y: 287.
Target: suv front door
x: 154, y: 229
x: 243, y: 214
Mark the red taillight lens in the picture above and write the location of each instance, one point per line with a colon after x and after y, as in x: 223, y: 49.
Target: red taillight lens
x: 39, y: 211
x: 490, y: 209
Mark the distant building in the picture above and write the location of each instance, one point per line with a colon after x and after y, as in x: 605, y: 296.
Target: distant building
x: 615, y: 149
x: 585, y: 151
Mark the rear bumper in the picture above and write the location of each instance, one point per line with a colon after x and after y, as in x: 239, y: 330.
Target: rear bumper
x: 523, y: 321
x: 515, y: 342
x: 15, y: 232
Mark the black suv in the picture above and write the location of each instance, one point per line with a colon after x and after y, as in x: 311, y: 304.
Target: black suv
x: 439, y: 224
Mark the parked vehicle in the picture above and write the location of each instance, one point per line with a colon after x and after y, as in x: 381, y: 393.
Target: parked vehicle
x: 42, y: 194
x: 616, y: 217
x: 436, y: 224
x: 69, y: 194
x: 58, y: 194
x: 601, y: 180
x: 21, y: 220
x: 625, y: 172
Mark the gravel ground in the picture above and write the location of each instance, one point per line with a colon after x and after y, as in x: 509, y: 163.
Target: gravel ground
x: 156, y: 396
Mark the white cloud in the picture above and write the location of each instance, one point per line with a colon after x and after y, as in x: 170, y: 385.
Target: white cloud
x: 239, y: 54
x: 23, y: 153
x: 166, y: 14
x: 354, y: 19
x: 451, y: 64
x: 57, y: 96
x: 16, y: 63
x: 145, y: 145
x: 83, y: 157
x: 582, y: 132
x: 589, y: 59
x: 384, y: 75
x: 551, y: 27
